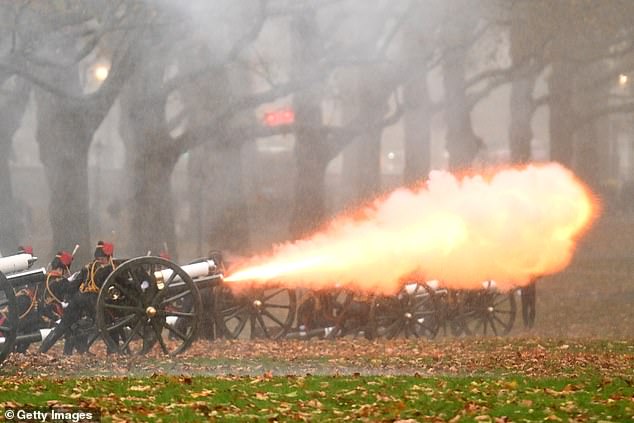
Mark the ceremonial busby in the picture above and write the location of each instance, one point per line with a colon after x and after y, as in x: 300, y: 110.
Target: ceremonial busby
x: 104, y: 249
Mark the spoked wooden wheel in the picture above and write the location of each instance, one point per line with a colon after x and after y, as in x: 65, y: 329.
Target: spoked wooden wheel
x: 413, y: 312
x: 145, y: 302
x: 490, y: 312
x: 255, y: 311
x: 8, y: 318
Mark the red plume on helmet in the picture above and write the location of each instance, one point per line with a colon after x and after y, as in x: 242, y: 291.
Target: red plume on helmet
x: 65, y: 258
x: 27, y: 249
x: 104, y: 249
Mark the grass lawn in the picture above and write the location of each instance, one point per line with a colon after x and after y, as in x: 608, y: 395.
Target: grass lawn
x: 588, y: 397
x: 514, y: 379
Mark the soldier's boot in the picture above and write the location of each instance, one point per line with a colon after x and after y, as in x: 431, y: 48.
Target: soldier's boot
x: 51, y: 339
x: 69, y: 345
x: 81, y: 343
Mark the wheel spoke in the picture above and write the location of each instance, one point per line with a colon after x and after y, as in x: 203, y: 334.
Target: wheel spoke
x: 280, y: 306
x: 238, y: 329
x: 176, y: 313
x: 500, y: 300
x: 252, y: 325
x: 158, y: 331
x: 263, y: 325
x: 392, y: 330
x: 121, y: 323
x: 492, y: 323
x: 134, y: 331
x: 123, y: 307
x: 268, y: 297
x: 275, y: 319
x: 170, y: 279
x: 176, y: 297
x: 175, y: 331
x: 504, y: 324
x: 236, y: 311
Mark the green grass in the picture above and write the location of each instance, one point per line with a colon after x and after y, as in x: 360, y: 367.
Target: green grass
x: 180, y: 398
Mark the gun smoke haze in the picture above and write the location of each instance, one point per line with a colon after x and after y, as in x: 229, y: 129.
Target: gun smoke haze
x: 510, y: 226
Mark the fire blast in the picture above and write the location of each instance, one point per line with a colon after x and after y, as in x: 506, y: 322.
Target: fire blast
x: 509, y: 226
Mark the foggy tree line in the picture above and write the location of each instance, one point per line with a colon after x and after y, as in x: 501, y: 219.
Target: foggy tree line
x: 373, y: 57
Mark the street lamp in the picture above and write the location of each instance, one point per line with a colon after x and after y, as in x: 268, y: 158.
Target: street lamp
x: 623, y: 79
x: 101, y: 72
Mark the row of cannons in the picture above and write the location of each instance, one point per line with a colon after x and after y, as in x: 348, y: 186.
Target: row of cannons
x: 151, y: 303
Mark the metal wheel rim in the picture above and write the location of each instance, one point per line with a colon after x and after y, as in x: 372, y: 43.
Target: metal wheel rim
x: 134, y: 315
x: 494, y: 314
x: 268, y: 312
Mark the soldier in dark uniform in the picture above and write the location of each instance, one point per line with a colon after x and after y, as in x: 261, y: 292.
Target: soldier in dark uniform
x: 57, y: 289
x: 41, y: 306
x: 529, y: 302
x: 82, y: 304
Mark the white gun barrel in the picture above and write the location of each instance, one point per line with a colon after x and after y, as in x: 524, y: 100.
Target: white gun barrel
x: 38, y: 336
x: 16, y: 263
x: 195, y: 270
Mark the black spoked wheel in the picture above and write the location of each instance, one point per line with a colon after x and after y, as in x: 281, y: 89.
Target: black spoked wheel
x: 413, y: 312
x: 490, y: 312
x: 255, y: 312
x: 145, y: 302
x: 8, y: 318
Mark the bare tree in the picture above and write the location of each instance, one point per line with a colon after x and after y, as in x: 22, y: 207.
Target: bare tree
x: 49, y: 45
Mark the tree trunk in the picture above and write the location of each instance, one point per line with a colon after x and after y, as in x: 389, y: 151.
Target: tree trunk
x: 372, y: 108
x: 9, y: 236
x: 64, y: 139
x: 151, y: 203
x: 462, y: 143
x: 520, y: 130
x: 312, y: 157
x: 12, y: 109
x: 562, y: 116
x: 311, y: 149
x: 227, y: 211
x: 525, y: 36
x: 416, y: 128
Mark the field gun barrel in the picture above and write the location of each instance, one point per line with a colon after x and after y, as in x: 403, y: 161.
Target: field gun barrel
x: 16, y: 263
x: 206, y: 269
x: 38, y: 336
x: 29, y: 277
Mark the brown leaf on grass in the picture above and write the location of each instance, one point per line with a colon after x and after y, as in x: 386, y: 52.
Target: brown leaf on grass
x: 261, y: 396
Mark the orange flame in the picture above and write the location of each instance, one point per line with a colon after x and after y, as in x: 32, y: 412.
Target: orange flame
x: 511, y: 226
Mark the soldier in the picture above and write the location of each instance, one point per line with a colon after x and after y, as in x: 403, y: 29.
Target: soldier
x: 57, y: 289
x: 82, y: 304
x: 529, y: 300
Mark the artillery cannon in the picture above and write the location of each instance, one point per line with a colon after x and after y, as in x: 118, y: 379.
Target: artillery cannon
x: 150, y: 300
x: 143, y: 301
x: 15, y: 274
